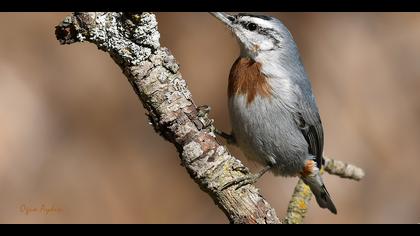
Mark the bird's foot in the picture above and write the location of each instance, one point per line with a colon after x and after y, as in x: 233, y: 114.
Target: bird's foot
x: 230, y: 139
x: 203, y: 110
x: 245, y: 180
x: 242, y: 181
x: 204, y: 122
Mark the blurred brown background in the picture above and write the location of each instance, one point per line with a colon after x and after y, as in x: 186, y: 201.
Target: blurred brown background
x: 74, y: 136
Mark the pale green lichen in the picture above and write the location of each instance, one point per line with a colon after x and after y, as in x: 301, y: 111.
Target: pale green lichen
x: 192, y: 150
x: 80, y: 37
x: 110, y: 35
x: 298, y: 205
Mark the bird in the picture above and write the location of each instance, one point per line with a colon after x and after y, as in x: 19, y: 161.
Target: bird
x: 273, y: 112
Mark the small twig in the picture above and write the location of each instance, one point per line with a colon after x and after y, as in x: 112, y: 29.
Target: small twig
x: 343, y: 169
x: 298, y: 205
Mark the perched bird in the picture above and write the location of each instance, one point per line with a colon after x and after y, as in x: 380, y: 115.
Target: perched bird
x: 273, y: 113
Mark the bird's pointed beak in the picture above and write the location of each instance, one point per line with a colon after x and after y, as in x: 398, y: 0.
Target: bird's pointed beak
x: 224, y: 17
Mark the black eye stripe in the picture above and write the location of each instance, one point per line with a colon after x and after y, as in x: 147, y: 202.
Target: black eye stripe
x: 270, y: 33
x: 232, y: 18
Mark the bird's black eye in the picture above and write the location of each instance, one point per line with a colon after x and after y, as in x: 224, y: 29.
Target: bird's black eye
x: 231, y: 18
x: 251, y: 26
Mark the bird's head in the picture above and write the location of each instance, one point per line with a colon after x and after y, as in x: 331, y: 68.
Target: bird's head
x: 258, y: 34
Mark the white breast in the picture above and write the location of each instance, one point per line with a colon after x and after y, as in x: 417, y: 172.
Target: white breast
x: 265, y: 129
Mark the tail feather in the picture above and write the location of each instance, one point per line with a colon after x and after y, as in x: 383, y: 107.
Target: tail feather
x: 324, y: 200
x: 320, y: 192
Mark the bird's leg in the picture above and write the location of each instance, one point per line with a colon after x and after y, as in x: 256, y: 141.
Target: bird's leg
x: 202, y: 113
x: 248, y: 179
x: 230, y: 139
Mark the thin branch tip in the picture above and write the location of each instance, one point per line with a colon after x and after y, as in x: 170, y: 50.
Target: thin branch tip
x: 343, y: 170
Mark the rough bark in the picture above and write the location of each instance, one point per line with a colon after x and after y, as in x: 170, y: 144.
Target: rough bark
x: 132, y: 40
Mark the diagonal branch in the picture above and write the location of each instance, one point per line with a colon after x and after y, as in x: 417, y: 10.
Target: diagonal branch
x: 132, y: 40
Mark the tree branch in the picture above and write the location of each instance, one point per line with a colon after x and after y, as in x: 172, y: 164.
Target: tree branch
x: 132, y: 40
x: 343, y: 169
x: 298, y: 205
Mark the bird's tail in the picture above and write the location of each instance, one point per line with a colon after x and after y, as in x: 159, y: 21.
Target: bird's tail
x: 317, y: 187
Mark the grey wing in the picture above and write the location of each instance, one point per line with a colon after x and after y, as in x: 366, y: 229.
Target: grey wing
x: 309, y: 122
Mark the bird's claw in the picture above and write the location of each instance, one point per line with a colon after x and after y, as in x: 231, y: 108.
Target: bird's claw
x: 242, y: 181
x: 247, y: 179
x: 241, y: 169
x: 230, y: 139
x: 203, y: 110
x: 203, y: 121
